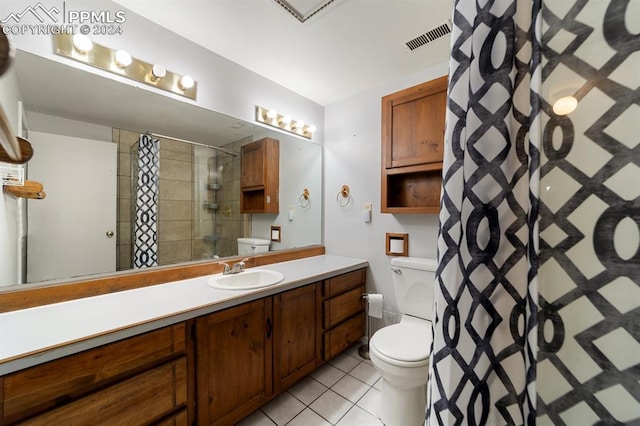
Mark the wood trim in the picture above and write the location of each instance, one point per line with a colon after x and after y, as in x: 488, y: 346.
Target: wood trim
x: 21, y: 298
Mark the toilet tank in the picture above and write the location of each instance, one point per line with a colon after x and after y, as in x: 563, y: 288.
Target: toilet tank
x: 252, y: 245
x: 413, y: 281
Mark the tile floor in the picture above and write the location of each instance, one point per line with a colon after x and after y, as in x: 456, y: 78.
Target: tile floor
x: 343, y: 392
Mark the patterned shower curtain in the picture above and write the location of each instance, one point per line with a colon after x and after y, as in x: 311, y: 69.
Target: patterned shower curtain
x: 483, y: 364
x: 145, y: 223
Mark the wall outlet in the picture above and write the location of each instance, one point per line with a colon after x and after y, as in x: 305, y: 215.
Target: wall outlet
x: 389, y: 318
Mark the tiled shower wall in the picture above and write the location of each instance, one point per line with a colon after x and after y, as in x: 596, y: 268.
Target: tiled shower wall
x: 186, y: 227
x: 589, y: 276
x: 216, y: 230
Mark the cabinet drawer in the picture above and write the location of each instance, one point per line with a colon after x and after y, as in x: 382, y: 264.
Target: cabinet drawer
x: 341, y: 337
x: 139, y: 400
x: 342, y: 283
x: 339, y: 308
x: 63, y: 380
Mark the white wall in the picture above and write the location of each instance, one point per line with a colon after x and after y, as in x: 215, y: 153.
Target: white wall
x: 9, y: 97
x: 352, y: 155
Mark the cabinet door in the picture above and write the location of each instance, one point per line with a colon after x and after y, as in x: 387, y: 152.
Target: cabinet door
x: 252, y: 165
x: 413, y: 125
x: 233, y: 362
x: 295, y: 335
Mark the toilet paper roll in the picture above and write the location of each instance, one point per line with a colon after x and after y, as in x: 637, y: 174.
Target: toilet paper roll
x: 396, y: 245
x: 375, y: 302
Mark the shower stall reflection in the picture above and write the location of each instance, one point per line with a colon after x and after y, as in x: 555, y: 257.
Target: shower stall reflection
x: 198, y: 201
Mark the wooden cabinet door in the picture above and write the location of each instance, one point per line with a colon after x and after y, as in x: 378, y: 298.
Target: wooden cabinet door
x: 233, y: 362
x: 252, y: 165
x: 296, y: 339
x: 413, y: 125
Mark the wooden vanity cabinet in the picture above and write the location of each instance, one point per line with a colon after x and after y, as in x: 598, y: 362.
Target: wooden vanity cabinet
x: 343, y: 312
x: 260, y: 176
x: 140, y: 380
x: 413, y: 125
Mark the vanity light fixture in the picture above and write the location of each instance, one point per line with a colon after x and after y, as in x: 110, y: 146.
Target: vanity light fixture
x: 284, y: 122
x: 123, y: 59
x: 82, y: 43
x: 80, y: 48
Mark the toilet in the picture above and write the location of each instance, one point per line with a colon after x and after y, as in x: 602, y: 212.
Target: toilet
x: 400, y: 352
x: 252, y: 245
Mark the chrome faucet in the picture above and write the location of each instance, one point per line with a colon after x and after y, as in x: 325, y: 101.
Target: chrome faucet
x: 235, y: 269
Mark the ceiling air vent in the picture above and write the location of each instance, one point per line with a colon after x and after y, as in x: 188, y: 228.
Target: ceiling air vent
x: 431, y: 35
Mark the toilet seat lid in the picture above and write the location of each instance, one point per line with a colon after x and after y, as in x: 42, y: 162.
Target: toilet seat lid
x: 403, y: 342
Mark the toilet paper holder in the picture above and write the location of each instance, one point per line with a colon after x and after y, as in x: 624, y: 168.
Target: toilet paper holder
x: 363, y: 350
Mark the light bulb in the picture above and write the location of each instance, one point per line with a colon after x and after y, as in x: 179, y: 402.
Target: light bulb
x: 271, y: 114
x: 158, y: 71
x: 82, y: 43
x: 565, y: 105
x: 285, y: 120
x: 311, y: 129
x: 123, y: 59
x: 299, y: 124
x: 186, y: 82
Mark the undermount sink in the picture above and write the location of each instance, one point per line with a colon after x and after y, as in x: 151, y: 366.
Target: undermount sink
x: 249, y: 279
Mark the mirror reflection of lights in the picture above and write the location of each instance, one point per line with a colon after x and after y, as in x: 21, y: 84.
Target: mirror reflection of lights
x: 284, y: 122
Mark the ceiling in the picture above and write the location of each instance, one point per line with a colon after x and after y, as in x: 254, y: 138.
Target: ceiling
x: 345, y: 48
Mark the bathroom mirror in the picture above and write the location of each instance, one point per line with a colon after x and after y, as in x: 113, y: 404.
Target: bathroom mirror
x: 198, y: 206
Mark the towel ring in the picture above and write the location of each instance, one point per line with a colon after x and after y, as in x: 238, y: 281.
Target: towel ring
x: 345, y: 195
x: 305, y: 199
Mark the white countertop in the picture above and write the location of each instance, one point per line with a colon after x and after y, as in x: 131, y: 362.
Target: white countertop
x: 36, y: 335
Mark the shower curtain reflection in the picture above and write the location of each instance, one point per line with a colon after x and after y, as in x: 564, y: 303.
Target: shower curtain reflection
x: 145, y: 162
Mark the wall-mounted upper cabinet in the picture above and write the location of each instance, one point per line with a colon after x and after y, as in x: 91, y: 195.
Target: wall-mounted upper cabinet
x: 260, y: 176
x: 412, y: 148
